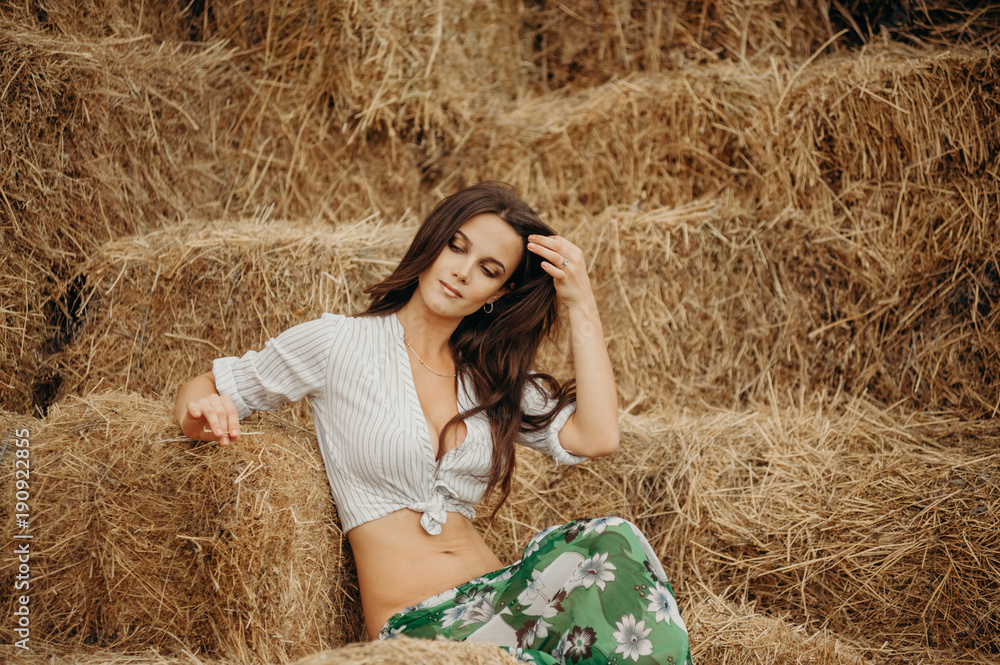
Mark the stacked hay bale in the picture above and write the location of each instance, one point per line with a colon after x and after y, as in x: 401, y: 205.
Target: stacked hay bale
x: 156, y: 309
x: 582, y: 43
x: 422, y: 72
x: 868, y: 522
x: 725, y: 296
x: 142, y: 539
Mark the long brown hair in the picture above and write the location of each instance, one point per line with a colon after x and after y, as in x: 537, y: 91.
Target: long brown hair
x: 496, y: 350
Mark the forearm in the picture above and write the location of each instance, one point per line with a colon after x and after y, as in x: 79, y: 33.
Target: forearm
x: 596, y: 419
x: 592, y: 430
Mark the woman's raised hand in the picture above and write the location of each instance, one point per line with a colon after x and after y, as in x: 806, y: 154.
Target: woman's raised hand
x: 565, y: 262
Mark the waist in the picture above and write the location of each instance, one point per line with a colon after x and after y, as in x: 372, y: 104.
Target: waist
x: 399, y: 564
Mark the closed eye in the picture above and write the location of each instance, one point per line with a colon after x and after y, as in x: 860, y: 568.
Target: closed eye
x: 457, y: 245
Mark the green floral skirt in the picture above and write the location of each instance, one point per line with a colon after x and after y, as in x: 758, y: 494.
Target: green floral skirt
x: 587, y: 592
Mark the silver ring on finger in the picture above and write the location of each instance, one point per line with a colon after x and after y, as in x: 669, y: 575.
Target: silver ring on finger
x: 564, y: 263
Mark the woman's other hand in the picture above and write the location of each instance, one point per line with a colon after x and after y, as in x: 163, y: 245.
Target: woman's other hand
x: 565, y: 262
x: 205, y: 415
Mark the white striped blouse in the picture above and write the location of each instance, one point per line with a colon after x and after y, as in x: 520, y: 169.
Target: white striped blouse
x: 371, y: 429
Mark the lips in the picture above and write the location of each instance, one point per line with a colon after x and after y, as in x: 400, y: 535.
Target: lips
x: 449, y: 289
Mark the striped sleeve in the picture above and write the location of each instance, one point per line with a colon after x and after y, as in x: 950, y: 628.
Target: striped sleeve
x: 291, y: 366
x: 537, y: 400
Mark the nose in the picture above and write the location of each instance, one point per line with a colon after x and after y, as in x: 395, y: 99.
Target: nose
x: 462, y: 269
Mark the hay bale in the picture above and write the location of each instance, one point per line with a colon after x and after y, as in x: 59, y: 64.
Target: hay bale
x: 888, y: 114
x: 408, y: 651
x: 711, y: 303
x: 94, y: 19
x: 650, y: 140
x: 23, y: 328
x: 728, y: 633
x: 904, y: 297
x: 702, y: 303
x: 772, y: 136
x: 421, y: 71
x: 144, y: 540
x: 158, y: 308
x: 67, y: 188
x: 900, y: 312
x: 184, y: 131
x: 826, y: 519
x: 583, y: 43
x: 870, y: 523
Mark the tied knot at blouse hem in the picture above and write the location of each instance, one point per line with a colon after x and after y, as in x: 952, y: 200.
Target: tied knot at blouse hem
x: 371, y: 429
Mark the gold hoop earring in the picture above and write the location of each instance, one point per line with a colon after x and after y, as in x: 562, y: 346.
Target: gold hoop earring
x: 490, y: 310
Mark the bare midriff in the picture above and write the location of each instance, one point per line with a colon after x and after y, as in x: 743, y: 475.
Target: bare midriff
x: 399, y: 564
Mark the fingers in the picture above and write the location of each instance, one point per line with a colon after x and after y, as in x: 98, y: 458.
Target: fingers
x: 563, y: 259
x: 217, y: 416
x: 555, y: 273
x: 558, y: 252
x: 565, y: 263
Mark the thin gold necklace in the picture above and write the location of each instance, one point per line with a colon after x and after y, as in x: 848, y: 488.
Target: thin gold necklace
x: 447, y: 376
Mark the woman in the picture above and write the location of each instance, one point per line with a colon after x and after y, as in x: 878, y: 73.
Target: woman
x: 418, y: 403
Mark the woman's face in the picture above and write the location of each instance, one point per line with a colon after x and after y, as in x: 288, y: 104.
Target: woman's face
x: 473, y: 268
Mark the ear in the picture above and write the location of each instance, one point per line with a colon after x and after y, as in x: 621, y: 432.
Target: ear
x: 501, y: 292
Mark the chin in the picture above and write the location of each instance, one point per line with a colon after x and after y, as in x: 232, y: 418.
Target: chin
x: 449, y: 309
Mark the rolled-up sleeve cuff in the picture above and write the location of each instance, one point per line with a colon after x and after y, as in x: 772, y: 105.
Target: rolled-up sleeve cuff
x: 225, y: 383
x: 554, y: 448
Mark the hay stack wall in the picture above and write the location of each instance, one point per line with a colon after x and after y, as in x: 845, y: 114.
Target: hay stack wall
x: 799, y: 278
x: 152, y: 163
x: 769, y: 221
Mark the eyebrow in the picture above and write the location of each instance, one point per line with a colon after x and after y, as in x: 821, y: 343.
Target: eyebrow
x: 464, y: 237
